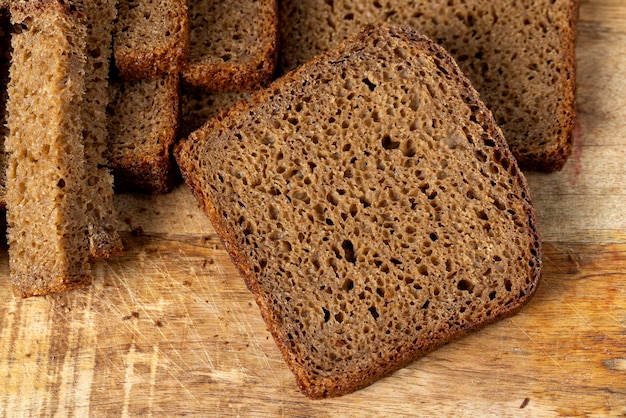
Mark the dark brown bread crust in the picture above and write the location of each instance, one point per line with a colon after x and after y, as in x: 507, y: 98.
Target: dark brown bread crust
x: 252, y: 73
x: 520, y: 56
x: 327, y: 386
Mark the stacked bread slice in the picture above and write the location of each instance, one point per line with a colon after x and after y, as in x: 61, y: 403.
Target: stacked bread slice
x: 144, y: 119
x: 151, y: 44
x: 151, y: 38
x: 233, y: 44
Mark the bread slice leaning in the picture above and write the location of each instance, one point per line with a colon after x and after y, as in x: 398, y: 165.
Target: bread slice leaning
x: 372, y: 206
x: 519, y: 55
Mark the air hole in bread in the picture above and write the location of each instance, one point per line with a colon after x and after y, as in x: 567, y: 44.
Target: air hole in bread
x: 369, y: 84
x: 465, y: 285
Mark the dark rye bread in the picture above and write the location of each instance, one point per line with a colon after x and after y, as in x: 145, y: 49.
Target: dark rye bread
x: 233, y: 44
x: 144, y: 118
x: 151, y: 38
x: 519, y: 55
x: 104, y: 241
x: 47, y: 225
x: 199, y: 106
x: 372, y: 206
x: 5, y: 63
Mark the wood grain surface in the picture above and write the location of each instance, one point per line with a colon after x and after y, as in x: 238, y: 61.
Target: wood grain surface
x: 170, y: 329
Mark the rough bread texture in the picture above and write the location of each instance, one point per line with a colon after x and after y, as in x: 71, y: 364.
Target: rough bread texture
x: 104, y: 241
x: 198, y: 107
x: 5, y: 62
x: 151, y: 38
x: 143, y: 124
x: 47, y: 226
x: 233, y: 44
x: 519, y: 55
x: 372, y: 206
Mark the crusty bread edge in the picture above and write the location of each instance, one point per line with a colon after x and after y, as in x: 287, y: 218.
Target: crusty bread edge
x: 328, y: 387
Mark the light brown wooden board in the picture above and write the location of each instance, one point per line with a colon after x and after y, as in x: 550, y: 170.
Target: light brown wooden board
x: 170, y: 329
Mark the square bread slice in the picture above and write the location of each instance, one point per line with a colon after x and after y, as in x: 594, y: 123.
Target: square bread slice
x: 233, y: 44
x: 151, y: 38
x: 519, y: 56
x: 144, y: 118
x: 371, y: 205
x: 47, y: 226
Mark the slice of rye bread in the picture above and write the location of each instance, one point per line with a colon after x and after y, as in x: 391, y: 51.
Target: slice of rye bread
x: 198, y: 106
x: 234, y: 45
x: 519, y: 56
x: 104, y: 240
x: 372, y: 206
x: 47, y: 225
x: 5, y: 63
x: 144, y: 118
x: 151, y: 38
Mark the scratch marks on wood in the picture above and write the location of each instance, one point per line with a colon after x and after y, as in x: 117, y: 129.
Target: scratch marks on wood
x: 616, y: 364
x: 140, y: 359
x: 78, y: 367
x: 28, y: 380
x: 6, y: 352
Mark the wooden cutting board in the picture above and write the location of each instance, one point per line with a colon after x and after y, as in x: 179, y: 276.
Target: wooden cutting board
x: 170, y: 329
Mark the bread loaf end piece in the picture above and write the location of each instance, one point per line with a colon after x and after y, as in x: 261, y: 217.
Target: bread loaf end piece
x: 144, y: 118
x: 104, y: 240
x: 233, y: 45
x: 47, y: 225
x: 372, y: 206
x: 151, y: 38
